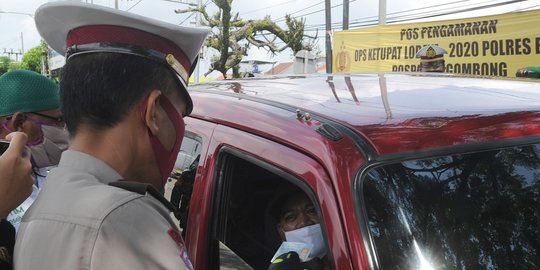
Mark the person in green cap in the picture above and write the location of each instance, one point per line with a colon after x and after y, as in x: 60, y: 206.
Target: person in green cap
x: 29, y: 103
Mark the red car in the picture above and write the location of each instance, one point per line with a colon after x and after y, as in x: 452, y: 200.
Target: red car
x: 405, y: 171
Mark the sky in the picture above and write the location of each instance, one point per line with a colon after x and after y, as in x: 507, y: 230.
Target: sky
x: 18, y: 31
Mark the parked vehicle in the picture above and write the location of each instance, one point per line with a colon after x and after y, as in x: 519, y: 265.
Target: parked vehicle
x: 406, y: 171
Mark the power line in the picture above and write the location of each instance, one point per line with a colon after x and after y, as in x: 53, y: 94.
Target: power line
x: 193, y: 13
x: 10, y: 41
x: 187, y: 18
x: 376, y: 18
x: 276, y: 5
x: 306, y: 8
x: 134, y: 5
x: 417, y: 9
x: 460, y: 11
x: 317, y: 11
x: 370, y: 22
x: 463, y: 10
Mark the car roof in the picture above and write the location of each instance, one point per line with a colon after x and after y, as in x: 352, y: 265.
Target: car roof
x: 403, y: 112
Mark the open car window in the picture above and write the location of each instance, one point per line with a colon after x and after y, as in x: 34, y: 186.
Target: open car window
x: 245, y: 230
x: 471, y: 211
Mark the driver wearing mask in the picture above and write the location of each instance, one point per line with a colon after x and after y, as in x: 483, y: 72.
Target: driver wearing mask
x: 29, y: 103
x: 298, y: 222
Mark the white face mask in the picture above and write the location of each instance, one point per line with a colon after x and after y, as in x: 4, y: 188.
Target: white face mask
x: 311, y: 235
x: 47, y: 153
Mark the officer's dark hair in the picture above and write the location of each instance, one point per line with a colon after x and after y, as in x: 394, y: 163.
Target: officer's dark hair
x: 99, y: 89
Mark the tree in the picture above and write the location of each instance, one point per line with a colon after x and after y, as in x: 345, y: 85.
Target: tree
x: 233, y: 36
x: 5, y: 64
x: 32, y: 59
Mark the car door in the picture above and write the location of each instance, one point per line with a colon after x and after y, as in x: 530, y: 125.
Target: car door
x: 228, y: 225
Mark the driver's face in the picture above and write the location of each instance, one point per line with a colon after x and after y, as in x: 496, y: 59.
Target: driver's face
x: 297, y: 212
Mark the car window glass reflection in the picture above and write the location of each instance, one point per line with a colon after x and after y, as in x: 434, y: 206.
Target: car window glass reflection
x: 473, y: 211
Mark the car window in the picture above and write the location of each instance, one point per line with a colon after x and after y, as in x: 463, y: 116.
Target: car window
x: 243, y: 223
x: 189, y: 151
x: 472, y: 211
x: 179, y: 186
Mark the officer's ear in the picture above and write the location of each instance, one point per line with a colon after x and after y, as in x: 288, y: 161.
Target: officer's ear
x: 151, y: 105
x: 17, y: 120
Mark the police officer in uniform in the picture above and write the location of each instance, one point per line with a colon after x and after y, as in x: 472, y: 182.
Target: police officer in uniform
x: 123, y: 95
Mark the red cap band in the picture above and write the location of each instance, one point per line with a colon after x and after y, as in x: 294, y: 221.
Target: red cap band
x: 125, y: 35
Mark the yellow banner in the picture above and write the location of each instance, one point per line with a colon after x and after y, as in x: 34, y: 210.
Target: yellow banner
x: 498, y: 45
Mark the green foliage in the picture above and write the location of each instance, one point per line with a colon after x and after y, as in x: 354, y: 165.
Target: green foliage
x: 5, y: 63
x: 31, y: 60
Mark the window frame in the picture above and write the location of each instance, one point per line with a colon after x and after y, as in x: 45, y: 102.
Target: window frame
x: 222, y: 181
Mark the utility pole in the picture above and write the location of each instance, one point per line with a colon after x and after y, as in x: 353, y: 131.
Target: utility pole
x: 382, y: 12
x: 345, y: 14
x: 22, y: 42
x: 11, y: 52
x: 198, y: 24
x: 328, y: 11
x: 382, y: 79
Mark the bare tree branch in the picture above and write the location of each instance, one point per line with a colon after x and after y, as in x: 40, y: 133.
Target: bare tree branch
x: 232, y: 31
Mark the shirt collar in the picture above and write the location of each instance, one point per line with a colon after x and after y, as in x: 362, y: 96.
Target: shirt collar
x: 83, y: 162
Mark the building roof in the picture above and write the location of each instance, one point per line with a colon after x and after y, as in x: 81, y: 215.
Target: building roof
x: 281, y: 68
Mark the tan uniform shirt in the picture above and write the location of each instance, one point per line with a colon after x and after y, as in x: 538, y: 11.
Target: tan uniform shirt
x: 80, y: 222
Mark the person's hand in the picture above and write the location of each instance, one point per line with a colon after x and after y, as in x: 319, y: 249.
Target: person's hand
x: 16, y: 178
x: 291, y: 261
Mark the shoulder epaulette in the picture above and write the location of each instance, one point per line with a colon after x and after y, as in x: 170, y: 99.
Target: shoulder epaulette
x: 143, y: 189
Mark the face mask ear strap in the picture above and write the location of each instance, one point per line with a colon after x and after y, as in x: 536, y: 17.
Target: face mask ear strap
x: 5, y: 125
x: 166, y: 158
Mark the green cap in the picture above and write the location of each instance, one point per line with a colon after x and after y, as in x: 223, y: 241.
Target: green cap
x: 27, y: 91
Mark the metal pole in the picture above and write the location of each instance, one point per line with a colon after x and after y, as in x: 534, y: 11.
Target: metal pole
x: 116, y: 4
x: 382, y: 79
x: 345, y: 14
x: 382, y: 12
x: 305, y: 61
x: 198, y: 23
x: 22, y: 42
x: 327, y: 8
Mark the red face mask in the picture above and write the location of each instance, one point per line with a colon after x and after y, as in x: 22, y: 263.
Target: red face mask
x: 166, y: 158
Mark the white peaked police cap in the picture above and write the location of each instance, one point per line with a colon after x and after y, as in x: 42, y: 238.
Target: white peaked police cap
x: 430, y: 51
x: 73, y: 28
